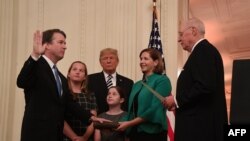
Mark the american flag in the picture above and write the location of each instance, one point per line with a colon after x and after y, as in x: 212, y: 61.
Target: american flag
x: 155, y: 38
x: 155, y: 43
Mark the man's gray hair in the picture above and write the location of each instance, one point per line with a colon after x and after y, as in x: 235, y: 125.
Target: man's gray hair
x: 195, y: 22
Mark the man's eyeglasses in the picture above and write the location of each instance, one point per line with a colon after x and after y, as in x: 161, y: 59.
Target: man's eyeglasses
x: 181, y: 33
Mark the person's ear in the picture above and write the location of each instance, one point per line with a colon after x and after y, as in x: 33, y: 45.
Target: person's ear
x: 194, y: 31
x: 46, y: 45
x: 156, y: 63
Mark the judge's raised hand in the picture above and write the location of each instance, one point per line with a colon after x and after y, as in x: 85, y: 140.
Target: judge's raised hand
x: 38, y: 48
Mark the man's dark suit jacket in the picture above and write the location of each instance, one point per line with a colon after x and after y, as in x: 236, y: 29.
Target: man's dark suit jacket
x: 201, y: 96
x: 44, y: 108
x: 97, y: 84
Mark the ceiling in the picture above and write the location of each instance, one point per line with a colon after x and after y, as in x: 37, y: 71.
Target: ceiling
x: 227, y: 25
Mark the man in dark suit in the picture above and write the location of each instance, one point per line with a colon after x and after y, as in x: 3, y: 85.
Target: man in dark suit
x: 45, y: 101
x: 200, y: 97
x: 97, y: 82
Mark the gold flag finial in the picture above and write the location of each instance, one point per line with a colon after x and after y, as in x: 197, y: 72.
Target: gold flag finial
x: 154, y: 2
x: 154, y: 9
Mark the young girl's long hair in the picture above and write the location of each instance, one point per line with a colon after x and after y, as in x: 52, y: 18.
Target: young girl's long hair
x: 84, y: 84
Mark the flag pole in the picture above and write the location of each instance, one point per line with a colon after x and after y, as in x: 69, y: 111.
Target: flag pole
x: 154, y: 9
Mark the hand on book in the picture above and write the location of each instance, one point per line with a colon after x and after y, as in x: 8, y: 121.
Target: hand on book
x: 100, y: 120
x: 106, y: 124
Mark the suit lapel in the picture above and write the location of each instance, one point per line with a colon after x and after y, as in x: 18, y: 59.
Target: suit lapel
x: 51, y: 76
x: 197, y: 48
x: 118, y: 80
x: 102, y: 82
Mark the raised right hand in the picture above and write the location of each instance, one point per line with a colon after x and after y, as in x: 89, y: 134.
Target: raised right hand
x: 38, y: 48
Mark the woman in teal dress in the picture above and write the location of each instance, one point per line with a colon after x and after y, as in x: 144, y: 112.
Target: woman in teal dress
x: 146, y: 118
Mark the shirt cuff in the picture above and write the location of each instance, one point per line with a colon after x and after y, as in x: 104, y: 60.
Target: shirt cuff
x: 177, y: 106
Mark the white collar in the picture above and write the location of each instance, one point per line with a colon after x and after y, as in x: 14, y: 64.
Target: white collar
x: 197, y: 43
x: 51, y: 64
x: 106, y: 74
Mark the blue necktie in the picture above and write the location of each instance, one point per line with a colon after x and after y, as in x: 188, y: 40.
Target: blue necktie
x: 58, y: 82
